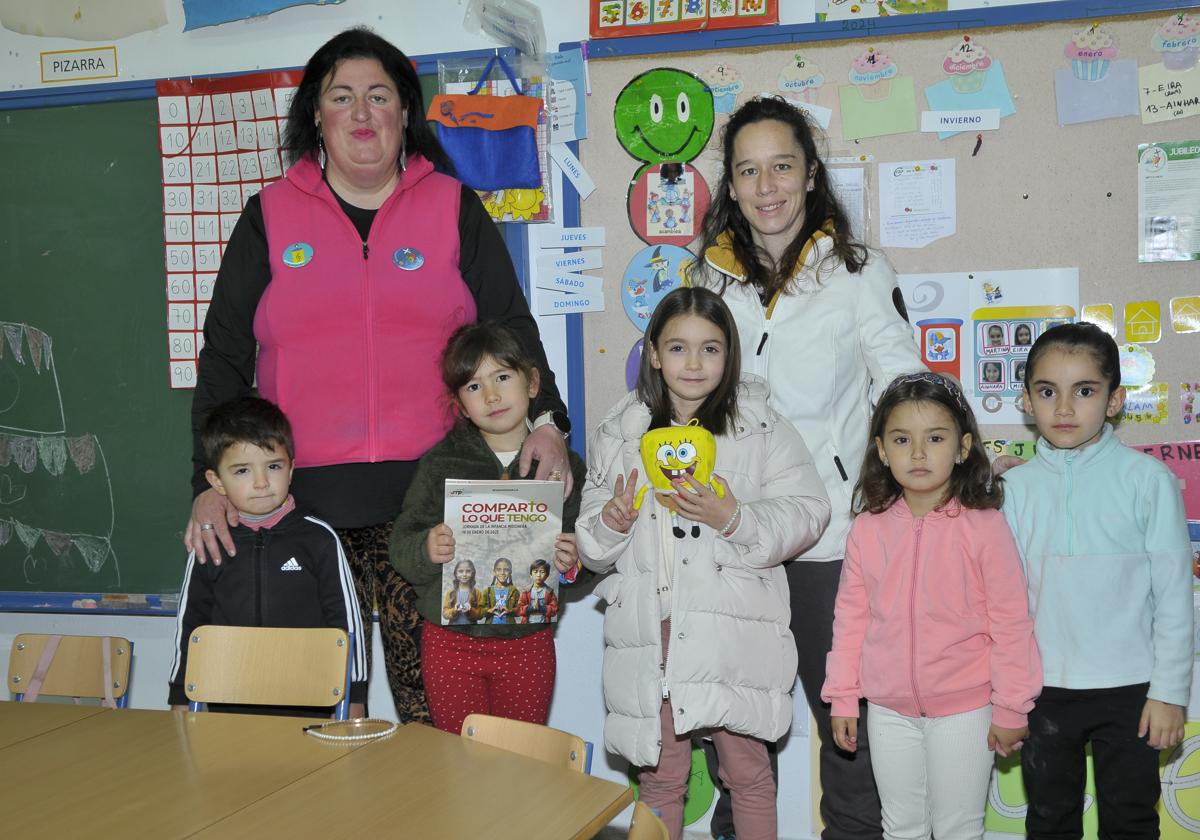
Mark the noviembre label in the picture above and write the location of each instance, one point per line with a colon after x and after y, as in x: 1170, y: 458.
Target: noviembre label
x: 79, y: 65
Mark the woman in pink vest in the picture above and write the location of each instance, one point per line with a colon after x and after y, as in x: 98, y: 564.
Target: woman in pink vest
x: 338, y: 289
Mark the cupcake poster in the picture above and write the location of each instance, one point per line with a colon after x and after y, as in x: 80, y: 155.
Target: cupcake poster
x: 1170, y: 90
x: 803, y: 83
x: 725, y: 84
x: 974, y: 81
x: 1094, y: 85
x: 878, y: 101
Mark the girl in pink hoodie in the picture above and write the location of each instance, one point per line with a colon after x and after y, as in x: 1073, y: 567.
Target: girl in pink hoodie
x: 932, y: 624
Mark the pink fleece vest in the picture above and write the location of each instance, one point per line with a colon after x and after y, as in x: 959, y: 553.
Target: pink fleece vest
x: 349, y: 345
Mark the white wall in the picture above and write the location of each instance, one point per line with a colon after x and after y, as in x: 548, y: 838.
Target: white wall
x: 284, y: 39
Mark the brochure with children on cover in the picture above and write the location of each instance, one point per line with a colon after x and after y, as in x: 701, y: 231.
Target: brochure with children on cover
x: 503, y: 568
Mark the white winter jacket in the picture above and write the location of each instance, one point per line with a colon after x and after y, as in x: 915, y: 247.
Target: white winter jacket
x: 732, y: 659
x: 828, y: 346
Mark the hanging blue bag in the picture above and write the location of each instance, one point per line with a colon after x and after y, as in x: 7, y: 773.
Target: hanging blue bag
x: 492, y: 140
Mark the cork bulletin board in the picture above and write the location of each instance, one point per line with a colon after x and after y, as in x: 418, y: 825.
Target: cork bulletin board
x: 1035, y: 195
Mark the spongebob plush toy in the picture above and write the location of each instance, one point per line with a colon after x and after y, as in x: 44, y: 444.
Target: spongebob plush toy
x: 671, y: 452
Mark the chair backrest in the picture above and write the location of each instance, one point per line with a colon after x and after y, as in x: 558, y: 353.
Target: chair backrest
x: 646, y: 825
x: 530, y: 739
x: 71, y: 666
x: 270, y: 666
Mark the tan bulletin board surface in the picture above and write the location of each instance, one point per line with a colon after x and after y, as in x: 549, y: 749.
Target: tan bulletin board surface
x: 1036, y: 196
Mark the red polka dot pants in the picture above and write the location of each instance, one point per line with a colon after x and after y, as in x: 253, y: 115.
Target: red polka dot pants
x: 509, y: 678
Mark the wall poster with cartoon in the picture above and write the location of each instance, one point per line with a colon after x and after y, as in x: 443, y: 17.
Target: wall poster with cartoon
x: 979, y: 327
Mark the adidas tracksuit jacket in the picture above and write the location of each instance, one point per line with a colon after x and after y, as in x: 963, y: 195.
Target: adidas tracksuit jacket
x: 291, y: 575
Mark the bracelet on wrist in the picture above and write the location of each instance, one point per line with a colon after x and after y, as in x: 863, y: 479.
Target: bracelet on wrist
x: 733, y: 520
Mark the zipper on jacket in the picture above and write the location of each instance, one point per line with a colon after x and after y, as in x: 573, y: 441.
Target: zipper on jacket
x: 837, y: 462
x: 368, y: 337
x: 1070, y: 508
x: 370, y: 412
x: 258, y: 587
x: 912, y: 619
x: 761, y: 344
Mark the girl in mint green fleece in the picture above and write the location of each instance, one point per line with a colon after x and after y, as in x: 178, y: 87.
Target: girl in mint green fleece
x: 1103, y: 536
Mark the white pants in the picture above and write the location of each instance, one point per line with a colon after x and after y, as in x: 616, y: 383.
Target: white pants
x: 932, y: 773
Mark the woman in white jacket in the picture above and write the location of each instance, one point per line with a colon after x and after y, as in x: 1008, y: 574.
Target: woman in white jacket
x: 696, y: 624
x: 822, y: 321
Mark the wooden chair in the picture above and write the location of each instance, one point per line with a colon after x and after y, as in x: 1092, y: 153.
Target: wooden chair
x: 71, y: 666
x: 530, y: 739
x: 271, y: 666
x: 646, y: 825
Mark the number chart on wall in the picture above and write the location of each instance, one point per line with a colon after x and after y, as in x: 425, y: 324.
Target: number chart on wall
x: 220, y: 144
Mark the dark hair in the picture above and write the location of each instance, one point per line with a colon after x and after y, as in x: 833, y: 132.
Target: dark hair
x: 1075, y: 337
x: 302, y: 135
x: 457, y: 566
x: 500, y: 560
x: 971, y: 482
x: 245, y: 420
x: 539, y: 564
x: 470, y: 344
x: 821, y: 210
x: 718, y: 412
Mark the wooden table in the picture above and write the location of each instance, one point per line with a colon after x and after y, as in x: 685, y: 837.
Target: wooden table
x: 22, y: 721
x: 130, y: 772
x: 136, y: 773
x: 424, y: 783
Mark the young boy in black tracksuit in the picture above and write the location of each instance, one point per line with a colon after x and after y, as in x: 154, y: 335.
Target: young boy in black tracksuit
x: 289, y: 569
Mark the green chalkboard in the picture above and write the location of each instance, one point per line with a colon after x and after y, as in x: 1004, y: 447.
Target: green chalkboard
x: 94, y: 445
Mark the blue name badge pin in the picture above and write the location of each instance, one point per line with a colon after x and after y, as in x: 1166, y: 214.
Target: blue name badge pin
x: 297, y: 255
x: 408, y: 259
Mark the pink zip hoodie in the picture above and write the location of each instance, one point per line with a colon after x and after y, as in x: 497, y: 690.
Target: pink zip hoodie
x: 932, y: 617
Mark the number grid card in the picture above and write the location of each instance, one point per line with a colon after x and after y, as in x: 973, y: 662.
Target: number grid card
x: 220, y: 144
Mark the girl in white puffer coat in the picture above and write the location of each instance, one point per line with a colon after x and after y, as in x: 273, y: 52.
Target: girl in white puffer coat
x: 696, y: 625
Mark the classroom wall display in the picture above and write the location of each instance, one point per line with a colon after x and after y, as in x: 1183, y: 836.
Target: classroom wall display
x: 1096, y: 86
x: 82, y: 20
x: 220, y: 144
x: 878, y: 101
x: 201, y: 13
x: 667, y: 203
x: 994, y: 316
x: 651, y: 274
x: 1168, y: 221
x: 619, y: 18
x: 851, y: 10
x: 1030, y: 195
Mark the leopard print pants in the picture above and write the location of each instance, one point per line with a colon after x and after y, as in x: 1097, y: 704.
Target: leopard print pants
x: 377, y: 583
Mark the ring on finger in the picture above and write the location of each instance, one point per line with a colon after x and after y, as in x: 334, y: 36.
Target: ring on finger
x: 206, y: 526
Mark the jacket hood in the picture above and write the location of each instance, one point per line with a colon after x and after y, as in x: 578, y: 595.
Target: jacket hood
x: 629, y: 418
x: 721, y: 257
x: 305, y: 175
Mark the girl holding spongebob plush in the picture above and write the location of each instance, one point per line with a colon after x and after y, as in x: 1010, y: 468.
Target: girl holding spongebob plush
x: 684, y: 608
